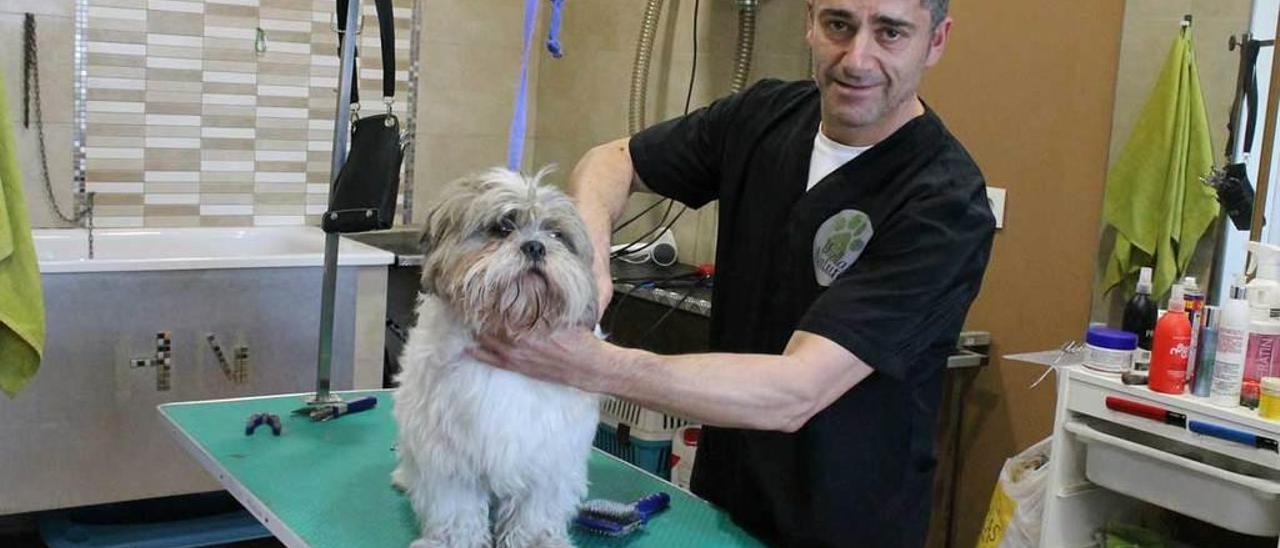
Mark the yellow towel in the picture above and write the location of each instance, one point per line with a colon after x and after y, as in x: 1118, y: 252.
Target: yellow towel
x: 21, y: 299
x: 1155, y: 199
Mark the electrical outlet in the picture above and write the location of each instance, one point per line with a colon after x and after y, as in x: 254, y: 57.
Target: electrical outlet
x: 995, y: 198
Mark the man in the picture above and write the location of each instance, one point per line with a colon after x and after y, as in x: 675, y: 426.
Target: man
x: 854, y: 231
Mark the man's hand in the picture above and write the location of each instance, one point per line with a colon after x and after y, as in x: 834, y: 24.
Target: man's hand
x: 573, y: 357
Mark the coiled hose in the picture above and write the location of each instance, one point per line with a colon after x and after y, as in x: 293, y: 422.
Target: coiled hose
x: 640, y: 68
x: 644, y: 55
x: 746, y: 44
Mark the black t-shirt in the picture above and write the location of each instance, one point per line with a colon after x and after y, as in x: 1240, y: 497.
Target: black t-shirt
x: 883, y: 256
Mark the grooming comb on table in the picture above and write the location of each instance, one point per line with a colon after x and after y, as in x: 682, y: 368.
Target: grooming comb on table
x: 330, y: 411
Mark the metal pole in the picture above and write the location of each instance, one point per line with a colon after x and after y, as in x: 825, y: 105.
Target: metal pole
x: 341, y: 130
x: 1268, y: 143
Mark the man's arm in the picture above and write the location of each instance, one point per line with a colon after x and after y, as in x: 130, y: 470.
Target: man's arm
x: 600, y: 185
x: 756, y: 391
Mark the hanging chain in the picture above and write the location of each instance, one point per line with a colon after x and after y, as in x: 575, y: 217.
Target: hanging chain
x: 31, y: 71
x: 28, y: 25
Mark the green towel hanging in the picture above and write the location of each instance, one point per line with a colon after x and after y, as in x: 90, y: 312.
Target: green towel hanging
x: 1155, y: 199
x: 21, y: 300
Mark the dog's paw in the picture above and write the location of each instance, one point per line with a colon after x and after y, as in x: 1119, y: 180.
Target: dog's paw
x: 452, y: 541
x: 520, y: 539
x: 427, y: 543
x: 554, y: 541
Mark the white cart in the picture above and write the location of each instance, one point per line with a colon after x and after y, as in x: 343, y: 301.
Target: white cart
x: 1118, y: 448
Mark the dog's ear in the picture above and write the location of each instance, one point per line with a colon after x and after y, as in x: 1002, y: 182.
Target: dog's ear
x: 439, y: 222
x: 434, y: 228
x: 426, y: 240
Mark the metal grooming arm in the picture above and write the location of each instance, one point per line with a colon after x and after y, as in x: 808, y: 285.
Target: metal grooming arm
x: 341, y: 131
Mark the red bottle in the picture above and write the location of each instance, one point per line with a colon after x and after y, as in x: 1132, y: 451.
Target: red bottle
x: 1170, y: 347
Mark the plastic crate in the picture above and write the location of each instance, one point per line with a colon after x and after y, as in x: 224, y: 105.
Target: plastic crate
x: 652, y: 423
x: 652, y: 456
x: 637, y: 435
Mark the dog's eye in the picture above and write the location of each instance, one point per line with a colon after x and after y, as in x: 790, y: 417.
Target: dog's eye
x: 504, y: 227
x: 564, y: 240
x: 501, y: 230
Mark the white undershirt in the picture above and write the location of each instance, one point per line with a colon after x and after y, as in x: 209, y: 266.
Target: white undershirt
x: 828, y: 156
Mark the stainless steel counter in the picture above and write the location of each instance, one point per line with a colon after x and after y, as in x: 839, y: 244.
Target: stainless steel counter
x: 402, y: 240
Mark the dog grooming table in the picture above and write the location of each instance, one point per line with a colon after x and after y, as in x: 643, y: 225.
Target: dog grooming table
x: 329, y: 483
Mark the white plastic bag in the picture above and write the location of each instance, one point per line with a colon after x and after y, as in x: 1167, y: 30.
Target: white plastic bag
x: 1017, y: 504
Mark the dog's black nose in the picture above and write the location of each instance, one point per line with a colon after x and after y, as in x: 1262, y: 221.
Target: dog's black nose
x: 534, y: 249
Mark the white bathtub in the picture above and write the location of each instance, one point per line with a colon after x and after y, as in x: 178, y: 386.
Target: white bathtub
x: 115, y: 250
x: 86, y: 430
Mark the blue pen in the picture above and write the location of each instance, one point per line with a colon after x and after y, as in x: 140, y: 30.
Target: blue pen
x: 1232, y: 434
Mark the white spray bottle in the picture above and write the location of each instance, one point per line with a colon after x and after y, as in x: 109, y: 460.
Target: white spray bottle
x: 1264, y: 290
x: 1233, y: 338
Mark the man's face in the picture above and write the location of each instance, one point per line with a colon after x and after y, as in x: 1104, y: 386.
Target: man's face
x: 869, y: 56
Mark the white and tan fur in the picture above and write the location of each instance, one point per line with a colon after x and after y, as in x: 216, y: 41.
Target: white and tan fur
x: 471, y: 435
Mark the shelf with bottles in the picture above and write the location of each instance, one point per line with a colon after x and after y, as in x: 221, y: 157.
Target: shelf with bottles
x: 1091, y: 390
x: 1118, y: 448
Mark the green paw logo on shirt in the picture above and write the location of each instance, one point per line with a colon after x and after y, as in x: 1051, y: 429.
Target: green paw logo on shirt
x: 838, y: 243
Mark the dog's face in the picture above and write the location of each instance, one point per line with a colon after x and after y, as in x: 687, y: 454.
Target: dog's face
x: 509, y: 255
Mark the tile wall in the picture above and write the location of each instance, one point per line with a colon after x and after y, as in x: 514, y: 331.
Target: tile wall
x: 219, y: 113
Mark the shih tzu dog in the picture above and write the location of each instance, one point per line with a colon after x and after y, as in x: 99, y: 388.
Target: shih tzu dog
x: 489, y: 457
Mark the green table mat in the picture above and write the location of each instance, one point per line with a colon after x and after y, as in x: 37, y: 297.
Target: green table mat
x: 328, y: 484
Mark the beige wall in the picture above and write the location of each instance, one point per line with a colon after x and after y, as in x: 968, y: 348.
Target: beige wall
x: 1149, y: 29
x: 583, y: 96
x: 1029, y: 88
x: 1042, y: 107
x: 55, y: 26
x: 470, y: 58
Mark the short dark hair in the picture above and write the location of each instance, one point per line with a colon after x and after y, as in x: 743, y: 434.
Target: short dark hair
x: 937, y: 9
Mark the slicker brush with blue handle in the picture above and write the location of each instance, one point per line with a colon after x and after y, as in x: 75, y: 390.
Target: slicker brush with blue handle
x: 615, y: 519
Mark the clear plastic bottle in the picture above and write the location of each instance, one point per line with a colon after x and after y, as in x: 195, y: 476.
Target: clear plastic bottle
x: 1206, y: 351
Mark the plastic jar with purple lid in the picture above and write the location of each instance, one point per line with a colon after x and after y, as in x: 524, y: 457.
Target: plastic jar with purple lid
x: 1109, y: 350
